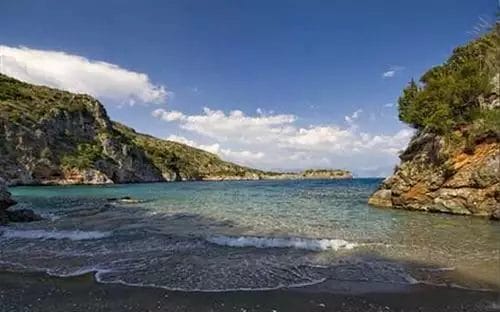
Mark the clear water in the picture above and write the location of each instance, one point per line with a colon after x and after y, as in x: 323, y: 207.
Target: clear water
x: 216, y: 236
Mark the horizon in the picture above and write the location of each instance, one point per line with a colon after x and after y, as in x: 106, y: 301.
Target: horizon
x: 286, y: 85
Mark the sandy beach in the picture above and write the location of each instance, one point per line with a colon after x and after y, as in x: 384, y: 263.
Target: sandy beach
x: 40, y: 292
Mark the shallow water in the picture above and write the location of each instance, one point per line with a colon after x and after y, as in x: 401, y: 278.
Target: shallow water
x: 250, y: 235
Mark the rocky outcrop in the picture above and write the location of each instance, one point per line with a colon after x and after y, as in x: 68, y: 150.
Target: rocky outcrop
x: 443, y: 175
x: 5, y: 202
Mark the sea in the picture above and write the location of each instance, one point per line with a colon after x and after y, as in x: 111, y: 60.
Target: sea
x: 246, y: 236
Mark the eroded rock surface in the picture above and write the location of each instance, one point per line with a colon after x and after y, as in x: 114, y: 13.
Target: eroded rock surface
x: 440, y: 176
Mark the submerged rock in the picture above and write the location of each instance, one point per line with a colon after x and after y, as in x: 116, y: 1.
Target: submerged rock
x: 125, y: 200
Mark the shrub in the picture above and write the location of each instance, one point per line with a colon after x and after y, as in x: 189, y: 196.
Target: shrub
x: 446, y: 96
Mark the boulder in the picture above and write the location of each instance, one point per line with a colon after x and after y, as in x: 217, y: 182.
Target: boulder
x: 381, y: 198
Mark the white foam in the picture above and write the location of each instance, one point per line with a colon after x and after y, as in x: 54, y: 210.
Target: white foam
x: 277, y: 242
x: 44, y: 234
x: 99, y: 279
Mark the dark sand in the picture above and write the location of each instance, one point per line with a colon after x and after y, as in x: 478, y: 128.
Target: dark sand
x: 39, y: 292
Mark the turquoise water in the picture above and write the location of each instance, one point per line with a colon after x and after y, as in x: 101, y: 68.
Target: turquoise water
x: 245, y: 235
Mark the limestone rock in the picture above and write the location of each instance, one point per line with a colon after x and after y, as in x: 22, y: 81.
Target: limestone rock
x: 381, y: 198
x: 437, y: 176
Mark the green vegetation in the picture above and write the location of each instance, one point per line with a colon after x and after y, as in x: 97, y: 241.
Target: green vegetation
x: 450, y: 96
x: 24, y: 103
x: 326, y: 172
x: 185, y: 161
x: 48, y: 130
x: 84, y: 157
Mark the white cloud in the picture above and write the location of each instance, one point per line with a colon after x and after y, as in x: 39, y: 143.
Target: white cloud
x: 78, y: 74
x: 277, y: 141
x: 241, y: 156
x: 388, y: 104
x: 392, y: 71
x: 389, y: 74
x: 351, y: 120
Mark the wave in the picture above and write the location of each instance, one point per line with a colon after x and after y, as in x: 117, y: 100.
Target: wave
x: 98, y: 276
x: 44, y: 234
x: 276, y: 242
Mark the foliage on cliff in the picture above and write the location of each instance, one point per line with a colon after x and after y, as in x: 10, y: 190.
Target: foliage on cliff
x: 452, y: 164
x: 185, y: 161
x: 47, y: 135
x: 450, y: 96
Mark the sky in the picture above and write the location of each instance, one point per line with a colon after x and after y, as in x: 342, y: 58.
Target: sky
x: 281, y: 85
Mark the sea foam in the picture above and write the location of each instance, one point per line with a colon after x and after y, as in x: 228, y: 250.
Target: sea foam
x: 278, y: 242
x: 44, y: 234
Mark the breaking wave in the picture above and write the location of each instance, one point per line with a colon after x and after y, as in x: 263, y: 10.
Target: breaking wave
x: 276, y: 242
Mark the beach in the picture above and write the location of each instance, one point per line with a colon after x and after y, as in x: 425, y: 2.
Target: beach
x: 39, y: 292
x: 241, y: 246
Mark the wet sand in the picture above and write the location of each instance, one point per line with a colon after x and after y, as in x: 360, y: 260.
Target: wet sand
x: 40, y: 292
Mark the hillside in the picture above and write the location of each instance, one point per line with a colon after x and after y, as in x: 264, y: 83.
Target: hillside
x: 452, y: 164
x: 55, y: 137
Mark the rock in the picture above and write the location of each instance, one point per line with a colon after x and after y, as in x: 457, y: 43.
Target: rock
x: 125, y: 200
x: 436, y: 176
x: 23, y: 215
x: 5, y: 202
x: 381, y: 198
x: 496, y: 214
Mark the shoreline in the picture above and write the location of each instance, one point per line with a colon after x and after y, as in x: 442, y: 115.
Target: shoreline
x: 208, y: 179
x: 37, y: 291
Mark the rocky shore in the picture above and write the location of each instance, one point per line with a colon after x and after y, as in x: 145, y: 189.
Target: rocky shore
x: 452, y: 164
x: 437, y: 175
x: 6, y: 201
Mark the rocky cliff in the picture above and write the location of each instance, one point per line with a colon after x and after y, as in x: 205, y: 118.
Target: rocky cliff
x: 452, y: 164
x: 48, y: 136
x: 438, y: 176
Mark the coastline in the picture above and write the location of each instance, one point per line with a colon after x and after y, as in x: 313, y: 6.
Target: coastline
x: 281, y: 177
x: 41, y: 292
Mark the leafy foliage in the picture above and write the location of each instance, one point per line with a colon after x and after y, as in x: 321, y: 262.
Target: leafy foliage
x: 84, y: 157
x: 447, y: 96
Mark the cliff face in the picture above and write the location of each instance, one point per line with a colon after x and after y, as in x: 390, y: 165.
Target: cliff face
x: 441, y: 176
x: 453, y: 162
x: 49, y: 136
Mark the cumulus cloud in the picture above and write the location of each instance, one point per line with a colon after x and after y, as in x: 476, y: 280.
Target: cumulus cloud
x: 78, y: 74
x: 241, y: 156
x: 277, y: 141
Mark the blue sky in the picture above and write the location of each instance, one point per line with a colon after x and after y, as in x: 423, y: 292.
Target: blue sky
x: 318, y: 62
